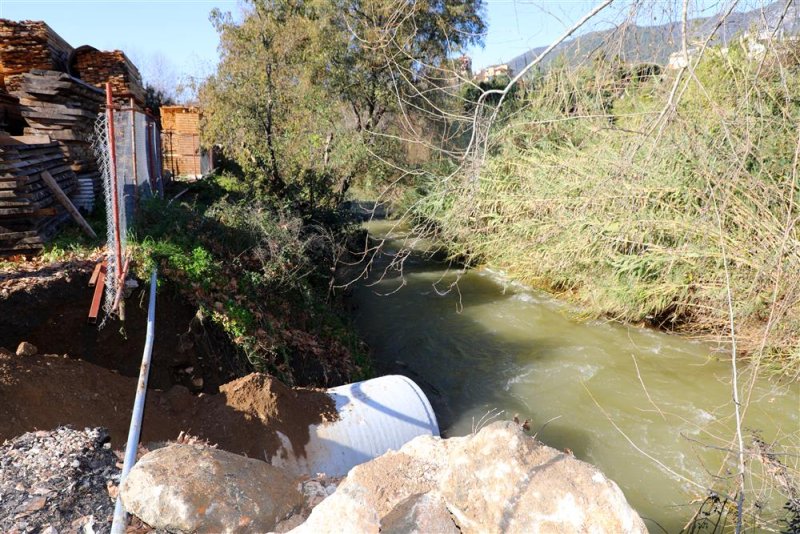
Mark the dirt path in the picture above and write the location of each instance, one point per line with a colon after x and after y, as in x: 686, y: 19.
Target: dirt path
x: 44, y: 392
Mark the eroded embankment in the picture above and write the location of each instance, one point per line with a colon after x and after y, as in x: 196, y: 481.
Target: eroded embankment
x: 44, y: 392
x: 48, y: 305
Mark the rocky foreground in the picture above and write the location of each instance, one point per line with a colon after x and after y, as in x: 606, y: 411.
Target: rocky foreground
x: 65, y: 480
x: 498, y: 480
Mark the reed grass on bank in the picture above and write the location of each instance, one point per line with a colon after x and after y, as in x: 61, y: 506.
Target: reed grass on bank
x: 603, y: 189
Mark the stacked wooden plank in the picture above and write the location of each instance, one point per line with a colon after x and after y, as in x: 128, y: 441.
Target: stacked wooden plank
x: 98, y: 67
x: 29, y: 212
x: 27, y: 45
x: 65, y: 109
x: 10, y: 118
x: 180, y: 139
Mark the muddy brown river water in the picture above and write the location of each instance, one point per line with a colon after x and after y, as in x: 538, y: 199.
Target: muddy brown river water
x: 652, y: 410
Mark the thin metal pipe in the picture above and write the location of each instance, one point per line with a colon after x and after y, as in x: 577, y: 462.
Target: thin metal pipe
x: 135, y: 162
x: 119, y: 521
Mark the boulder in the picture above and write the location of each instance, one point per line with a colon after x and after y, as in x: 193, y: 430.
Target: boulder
x: 27, y: 349
x: 196, y: 488
x: 420, y: 514
x: 498, y: 480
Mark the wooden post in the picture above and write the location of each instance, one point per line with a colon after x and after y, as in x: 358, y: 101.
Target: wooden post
x: 94, y: 309
x: 95, y: 274
x: 67, y: 203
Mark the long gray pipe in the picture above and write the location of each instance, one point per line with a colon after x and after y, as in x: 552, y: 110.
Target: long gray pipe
x: 120, y: 517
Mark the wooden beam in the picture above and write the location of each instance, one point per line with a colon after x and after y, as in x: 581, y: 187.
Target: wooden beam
x: 99, y: 289
x: 95, y: 274
x: 67, y: 203
x: 44, y: 212
x: 24, y: 139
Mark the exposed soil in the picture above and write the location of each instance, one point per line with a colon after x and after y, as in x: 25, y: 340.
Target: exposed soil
x: 274, y: 405
x: 48, y: 306
x: 44, y: 392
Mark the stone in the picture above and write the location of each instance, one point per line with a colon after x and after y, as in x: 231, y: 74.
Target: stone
x: 27, y: 349
x: 288, y: 524
x: 420, y: 514
x: 507, y: 481
x: 498, y: 480
x: 348, y: 510
x: 196, y: 488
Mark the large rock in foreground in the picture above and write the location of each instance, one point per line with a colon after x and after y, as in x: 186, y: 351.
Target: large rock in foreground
x: 195, y: 488
x: 499, y: 480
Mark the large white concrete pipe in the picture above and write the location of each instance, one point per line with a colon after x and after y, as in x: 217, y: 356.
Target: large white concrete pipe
x: 375, y: 416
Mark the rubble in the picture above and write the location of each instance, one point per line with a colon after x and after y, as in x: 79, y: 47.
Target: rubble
x: 57, y: 481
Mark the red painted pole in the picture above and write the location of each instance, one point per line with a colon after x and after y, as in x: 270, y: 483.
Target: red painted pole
x: 112, y: 149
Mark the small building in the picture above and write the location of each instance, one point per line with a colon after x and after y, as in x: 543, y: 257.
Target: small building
x: 180, y: 139
x: 488, y: 73
x: 679, y: 60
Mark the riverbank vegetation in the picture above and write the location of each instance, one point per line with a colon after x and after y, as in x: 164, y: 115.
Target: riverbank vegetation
x: 304, y: 105
x: 665, y: 198
x: 259, y: 272
x: 310, y: 97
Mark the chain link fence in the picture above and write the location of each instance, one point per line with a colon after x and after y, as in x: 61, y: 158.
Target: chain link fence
x: 128, y: 150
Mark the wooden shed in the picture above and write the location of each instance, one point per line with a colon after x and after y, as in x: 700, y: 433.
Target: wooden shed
x: 180, y: 139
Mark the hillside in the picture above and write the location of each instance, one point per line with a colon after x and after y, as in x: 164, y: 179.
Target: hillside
x: 654, y: 44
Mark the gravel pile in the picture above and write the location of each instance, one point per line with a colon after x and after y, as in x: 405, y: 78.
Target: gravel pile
x: 57, y: 481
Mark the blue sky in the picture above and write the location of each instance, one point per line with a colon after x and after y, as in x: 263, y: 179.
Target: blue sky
x: 176, y: 35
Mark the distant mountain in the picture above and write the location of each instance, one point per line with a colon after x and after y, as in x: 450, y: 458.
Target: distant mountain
x: 654, y: 44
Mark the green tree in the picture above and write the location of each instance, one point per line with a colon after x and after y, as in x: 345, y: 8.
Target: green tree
x: 155, y: 98
x: 306, y: 90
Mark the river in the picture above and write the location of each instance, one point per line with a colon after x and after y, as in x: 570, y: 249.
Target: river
x: 651, y: 410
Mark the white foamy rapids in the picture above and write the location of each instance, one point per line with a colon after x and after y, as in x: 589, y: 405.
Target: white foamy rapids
x: 519, y: 379
x: 525, y: 297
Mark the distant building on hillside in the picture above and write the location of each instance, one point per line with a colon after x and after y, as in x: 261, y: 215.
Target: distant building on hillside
x: 679, y: 60
x: 755, y: 44
x: 491, y: 72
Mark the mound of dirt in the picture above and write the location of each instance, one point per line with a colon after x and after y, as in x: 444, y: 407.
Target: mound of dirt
x: 286, y: 410
x: 57, y: 482
x: 30, y: 276
x: 44, y: 392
